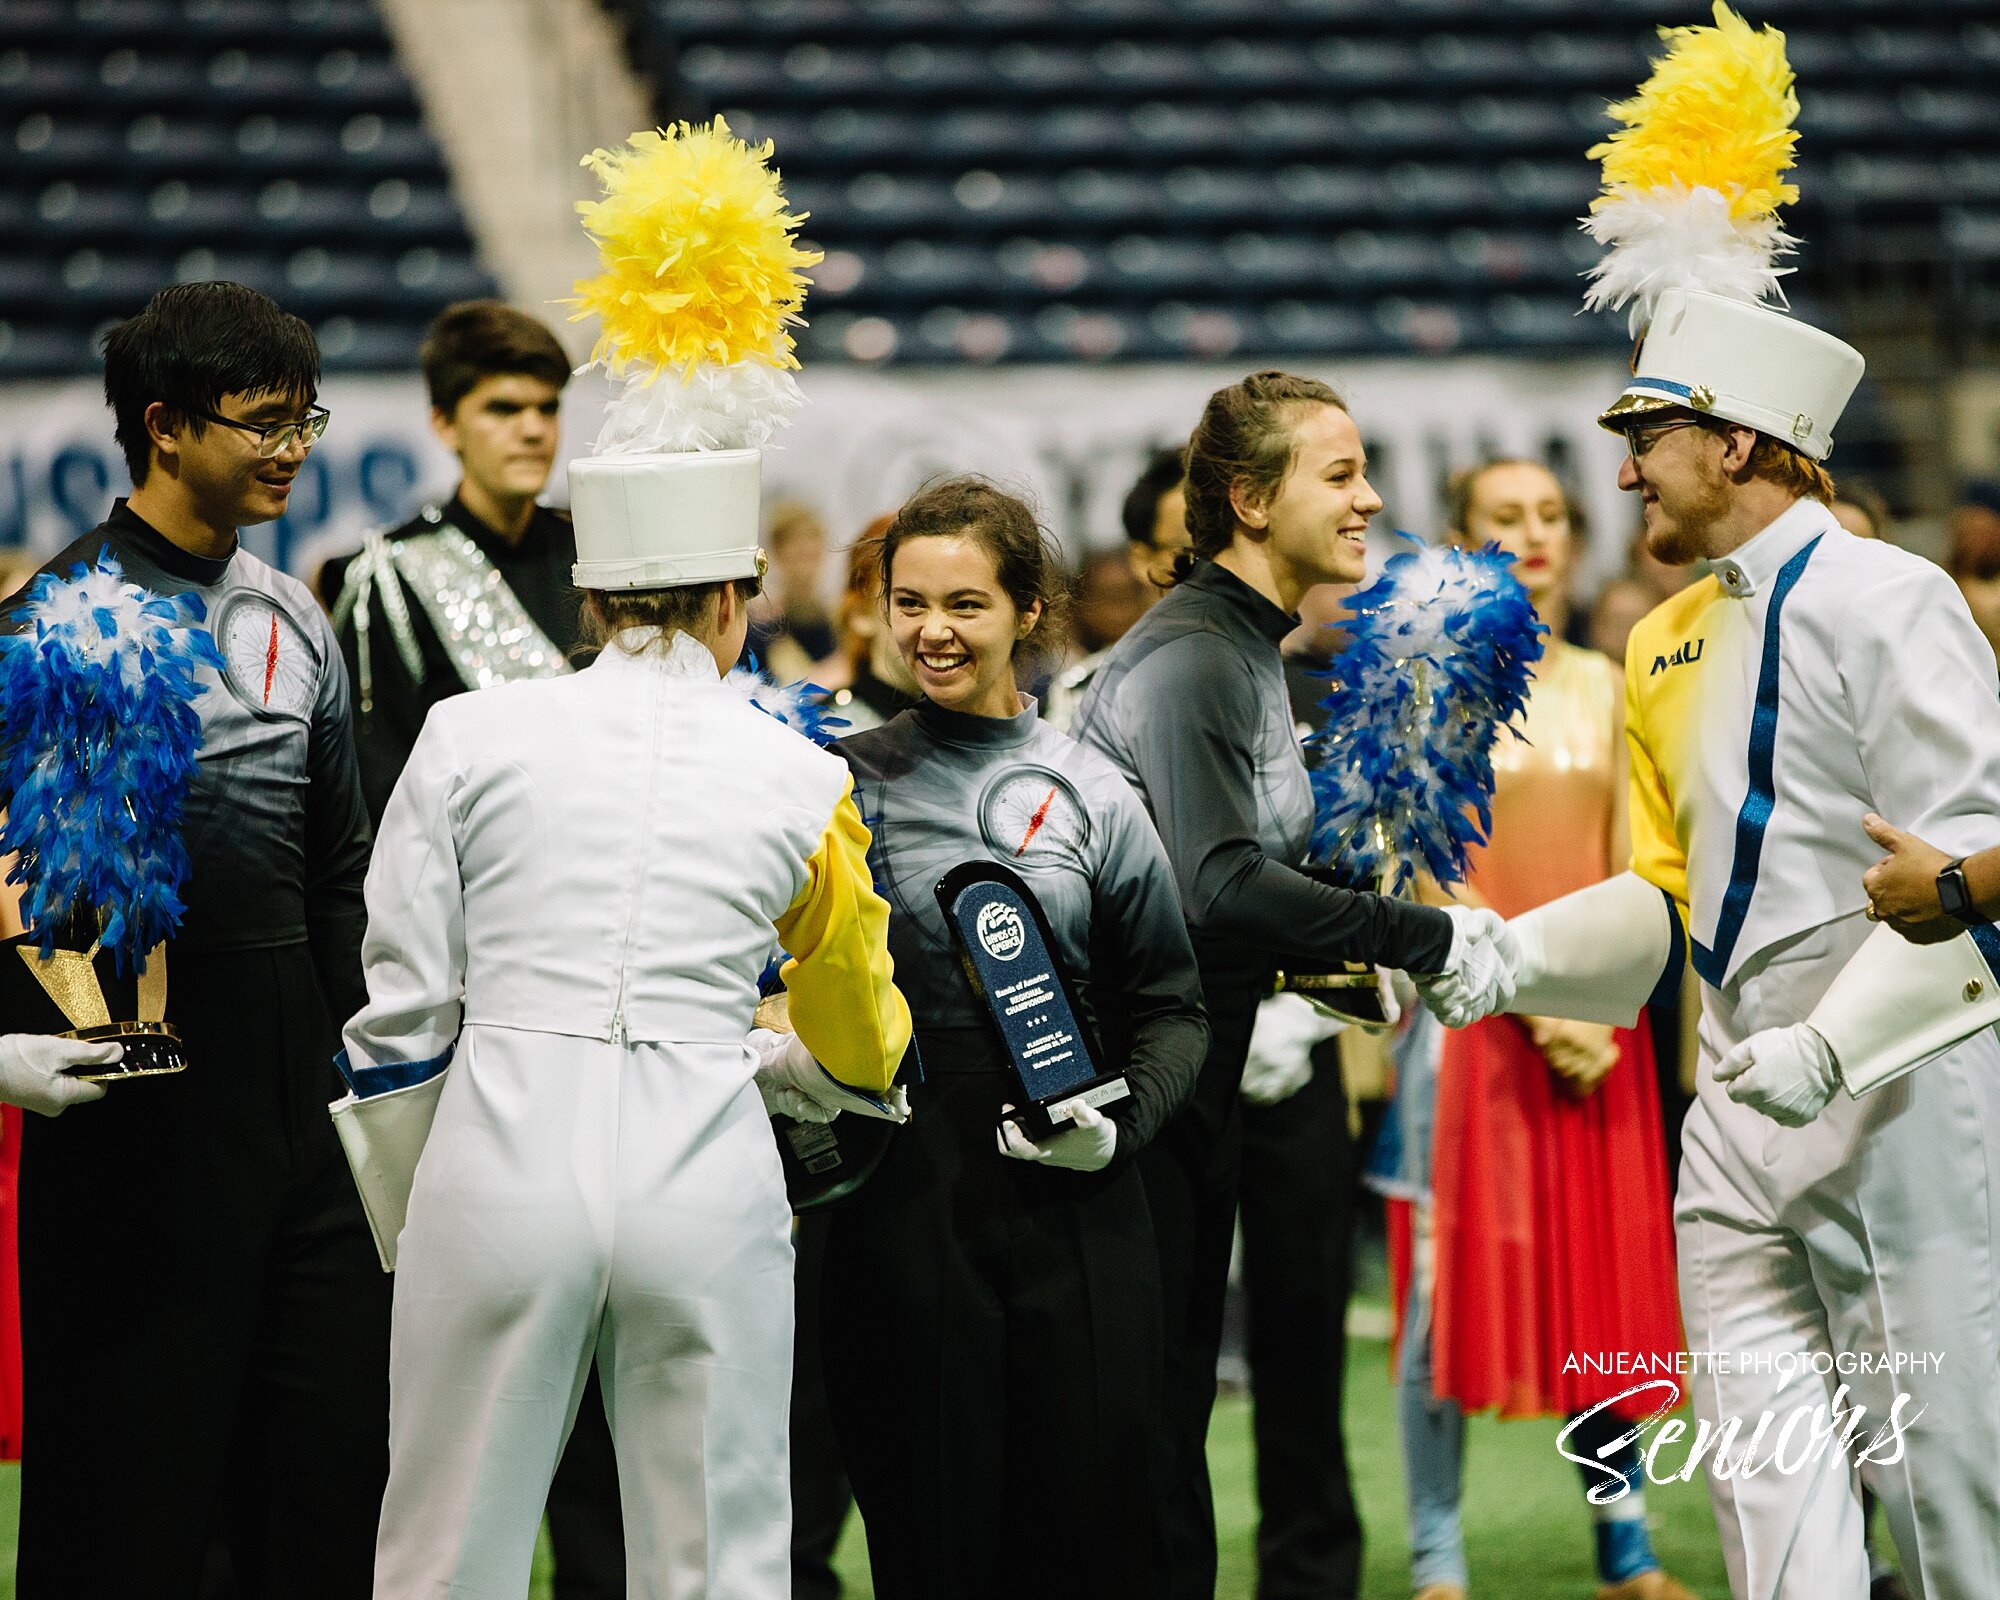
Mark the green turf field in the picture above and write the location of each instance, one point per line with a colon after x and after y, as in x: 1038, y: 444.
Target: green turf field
x: 1527, y: 1531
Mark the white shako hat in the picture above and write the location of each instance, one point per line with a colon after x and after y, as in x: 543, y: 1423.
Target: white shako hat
x: 664, y: 521
x: 1742, y: 362
x: 702, y: 279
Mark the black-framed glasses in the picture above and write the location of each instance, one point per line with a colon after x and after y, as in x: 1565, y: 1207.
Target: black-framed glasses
x: 1642, y: 436
x: 275, y: 438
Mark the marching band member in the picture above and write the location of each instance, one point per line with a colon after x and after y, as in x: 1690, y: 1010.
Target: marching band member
x: 466, y: 594
x: 207, y: 1216
x: 578, y: 882
x: 1191, y: 707
x: 1023, y: 1291
x: 571, y: 900
x: 1835, y: 1206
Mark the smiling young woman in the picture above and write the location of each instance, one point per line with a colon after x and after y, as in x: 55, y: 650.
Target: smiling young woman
x: 1191, y: 706
x: 1021, y: 1295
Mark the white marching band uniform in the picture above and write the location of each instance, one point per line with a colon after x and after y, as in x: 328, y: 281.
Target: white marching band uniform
x: 1810, y: 678
x: 577, y: 884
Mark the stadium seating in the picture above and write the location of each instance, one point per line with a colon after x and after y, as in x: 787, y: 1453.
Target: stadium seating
x: 276, y: 142
x: 1097, y: 179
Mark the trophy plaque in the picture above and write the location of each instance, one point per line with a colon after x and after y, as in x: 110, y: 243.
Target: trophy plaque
x: 1349, y: 990
x: 825, y: 1162
x: 1009, y: 954
x: 77, y: 994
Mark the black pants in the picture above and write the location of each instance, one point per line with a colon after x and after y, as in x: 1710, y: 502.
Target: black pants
x: 991, y: 1340
x: 1299, y: 1182
x: 586, y: 1520
x: 205, y: 1326
x: 1192, y: 1172
x: 821, y: 1497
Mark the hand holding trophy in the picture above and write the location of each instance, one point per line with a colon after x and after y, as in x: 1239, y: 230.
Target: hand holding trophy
x: 98, y: 747
x: 1439, y: 655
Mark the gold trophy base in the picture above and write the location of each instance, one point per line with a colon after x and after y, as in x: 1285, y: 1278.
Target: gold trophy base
x: 1353, y: 993
x: 152, y: 1050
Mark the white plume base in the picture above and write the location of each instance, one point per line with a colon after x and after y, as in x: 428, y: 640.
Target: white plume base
x: 1680, y: 238
x: 737, y: 407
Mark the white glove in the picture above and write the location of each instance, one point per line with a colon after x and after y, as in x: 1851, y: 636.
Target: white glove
x: 1789, y: 1074
x: 34, y: 1075
x: 1279, y: 1064
x: 1479, y: 975
x: 796, y: 1086
x: 1086, y: 1145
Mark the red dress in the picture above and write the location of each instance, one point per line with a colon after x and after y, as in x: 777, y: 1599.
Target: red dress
x: 1552, y: 1214
x: 10, y: 1284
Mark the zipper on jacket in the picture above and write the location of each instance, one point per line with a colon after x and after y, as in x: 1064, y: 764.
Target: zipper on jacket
x: 656, y: 709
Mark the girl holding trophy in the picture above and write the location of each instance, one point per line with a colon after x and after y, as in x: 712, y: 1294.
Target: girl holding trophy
x: 992, y: 1353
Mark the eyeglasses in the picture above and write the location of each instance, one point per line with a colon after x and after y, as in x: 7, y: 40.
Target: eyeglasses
x: 275, y: 438
x: 1641, y: 437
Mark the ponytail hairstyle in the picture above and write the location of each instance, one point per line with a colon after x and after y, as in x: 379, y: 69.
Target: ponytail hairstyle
x: 1245, y: 437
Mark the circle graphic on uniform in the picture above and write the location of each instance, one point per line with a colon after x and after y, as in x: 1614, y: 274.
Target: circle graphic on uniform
x: 1001, y: 931
x: 268, y: 663
x: 1032, y: 814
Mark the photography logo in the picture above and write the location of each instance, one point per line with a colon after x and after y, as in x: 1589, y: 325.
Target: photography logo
x: 1000, y: 931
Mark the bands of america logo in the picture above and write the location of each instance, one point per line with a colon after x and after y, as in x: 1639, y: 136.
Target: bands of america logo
x: 1000, y: 931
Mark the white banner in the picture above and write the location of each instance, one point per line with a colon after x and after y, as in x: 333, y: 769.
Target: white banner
x: 1072, y: 437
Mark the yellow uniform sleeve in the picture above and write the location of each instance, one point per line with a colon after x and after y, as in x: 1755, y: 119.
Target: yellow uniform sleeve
x: 1657, y: 855
x: 844, y: 1003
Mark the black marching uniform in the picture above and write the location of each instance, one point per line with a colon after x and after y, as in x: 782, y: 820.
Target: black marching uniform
x: 205, y: 1326
x: 1191, y: 707
x: 992, y: 1354
x: 463, y: 594
x: 1301, y: 1177
x: 821, y: 1496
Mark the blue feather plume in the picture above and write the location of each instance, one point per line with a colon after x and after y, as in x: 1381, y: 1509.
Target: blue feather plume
x: 98, y: 746
x: 799, y: 706
x: 1438, y: 660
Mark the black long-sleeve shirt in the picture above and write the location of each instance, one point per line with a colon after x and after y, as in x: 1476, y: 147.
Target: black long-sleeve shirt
x: 536, y: 569
x: 1191, y: 707
x: 275, y: 830
x: 938, y: 788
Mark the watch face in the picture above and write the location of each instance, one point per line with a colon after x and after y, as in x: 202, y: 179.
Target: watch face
x: 1953, y: 898
x: 1031, y: 816
x: 270, y: 666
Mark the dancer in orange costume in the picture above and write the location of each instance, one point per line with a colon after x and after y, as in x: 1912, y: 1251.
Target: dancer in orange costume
x: 1548, y: 1231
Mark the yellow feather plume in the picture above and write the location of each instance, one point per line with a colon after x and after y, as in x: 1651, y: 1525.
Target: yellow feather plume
x: 1717, y: 112
x: 700, y: 263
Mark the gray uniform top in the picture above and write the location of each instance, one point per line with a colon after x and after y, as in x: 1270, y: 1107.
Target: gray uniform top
x: 274, y: 826
x: 1191, y: 707
x: 938, y: 788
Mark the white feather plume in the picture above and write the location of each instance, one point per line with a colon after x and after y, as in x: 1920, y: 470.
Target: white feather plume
x: 1680, y: 238
x: 736, y: 407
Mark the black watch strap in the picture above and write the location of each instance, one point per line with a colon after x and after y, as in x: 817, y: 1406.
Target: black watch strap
x: 1954, y: 897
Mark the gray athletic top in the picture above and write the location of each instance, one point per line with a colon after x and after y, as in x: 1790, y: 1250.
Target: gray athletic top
x: 938, y: 788
x: 1191, y: 707
x: 275, y: 827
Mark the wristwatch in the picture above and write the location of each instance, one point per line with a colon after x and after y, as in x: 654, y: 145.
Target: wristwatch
x: 1953, y: 895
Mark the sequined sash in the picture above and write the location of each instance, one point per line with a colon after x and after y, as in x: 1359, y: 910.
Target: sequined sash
x: 484, y: 628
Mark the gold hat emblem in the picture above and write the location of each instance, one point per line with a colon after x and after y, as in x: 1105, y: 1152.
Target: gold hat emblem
x: 1701, y: 397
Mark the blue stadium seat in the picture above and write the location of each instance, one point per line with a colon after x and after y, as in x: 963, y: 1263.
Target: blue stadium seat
x: 276, y: 142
